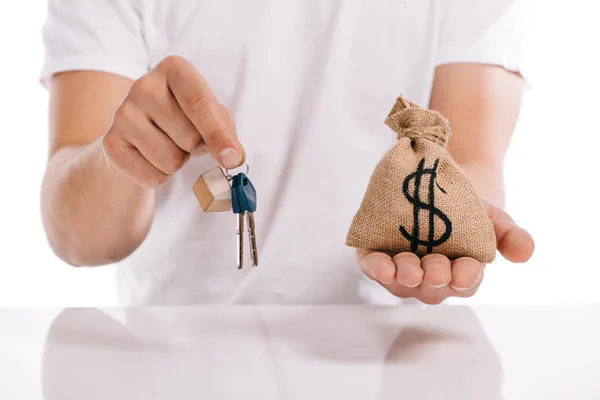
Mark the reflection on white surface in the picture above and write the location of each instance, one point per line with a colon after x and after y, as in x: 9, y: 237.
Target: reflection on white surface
x: 271, y: 353
x: 407, y: 352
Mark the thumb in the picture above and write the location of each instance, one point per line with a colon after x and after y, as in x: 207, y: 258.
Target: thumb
x: 227, y: 149
x: 513, y: 242
x: 213, y: 122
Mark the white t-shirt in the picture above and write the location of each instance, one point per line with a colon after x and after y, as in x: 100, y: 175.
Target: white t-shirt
x: 309, y: 84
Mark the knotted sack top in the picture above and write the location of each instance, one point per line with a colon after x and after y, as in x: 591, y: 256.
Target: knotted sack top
x: 409, y: 120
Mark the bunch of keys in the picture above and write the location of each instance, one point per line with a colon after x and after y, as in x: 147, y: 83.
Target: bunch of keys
x: 218, y: 191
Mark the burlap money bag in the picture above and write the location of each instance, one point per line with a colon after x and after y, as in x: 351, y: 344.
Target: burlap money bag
x: 418, y: 199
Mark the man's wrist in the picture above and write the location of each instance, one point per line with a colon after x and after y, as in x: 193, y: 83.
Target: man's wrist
x: 487, y: 179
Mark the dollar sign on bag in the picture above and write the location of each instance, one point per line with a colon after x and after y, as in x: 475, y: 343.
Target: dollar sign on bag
x: 415, y: 199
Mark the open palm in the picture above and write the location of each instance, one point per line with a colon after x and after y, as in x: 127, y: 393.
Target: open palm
x: 434, y: 277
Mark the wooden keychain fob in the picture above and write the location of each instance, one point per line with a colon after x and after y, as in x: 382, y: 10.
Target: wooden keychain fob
x: 213, y: 191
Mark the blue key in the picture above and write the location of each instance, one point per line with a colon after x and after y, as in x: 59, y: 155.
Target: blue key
x: 243, y: 200
x: 243, y: 194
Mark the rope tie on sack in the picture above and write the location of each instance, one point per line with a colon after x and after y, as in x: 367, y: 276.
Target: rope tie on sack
x: 436, y: 134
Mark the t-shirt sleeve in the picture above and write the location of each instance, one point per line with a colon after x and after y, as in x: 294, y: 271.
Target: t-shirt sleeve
x: 485, y: 32
x: 94, y: 35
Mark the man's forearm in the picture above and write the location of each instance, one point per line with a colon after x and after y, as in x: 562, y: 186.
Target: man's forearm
x: 482, y: 103
x: 92, y: 215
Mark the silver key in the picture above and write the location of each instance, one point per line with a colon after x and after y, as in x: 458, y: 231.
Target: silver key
x: 252, y: 238
x: 240, y: 240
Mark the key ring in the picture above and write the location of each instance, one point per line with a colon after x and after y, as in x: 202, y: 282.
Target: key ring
x: 230, y: 177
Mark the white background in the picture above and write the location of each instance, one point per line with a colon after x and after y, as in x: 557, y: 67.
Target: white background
x: 551, y: 170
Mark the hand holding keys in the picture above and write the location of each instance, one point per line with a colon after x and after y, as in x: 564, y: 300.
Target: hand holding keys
x: 215, y: 193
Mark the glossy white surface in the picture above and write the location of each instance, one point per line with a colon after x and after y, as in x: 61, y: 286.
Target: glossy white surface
x: 410, y: 352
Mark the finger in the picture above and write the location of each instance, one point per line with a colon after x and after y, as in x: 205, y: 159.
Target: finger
x: 368, y: 257
x: 151, y: 142
x: 126, y: 159
x: 467, y: 273
x: 434, y: 288
x: 408, y: 269
x: 157, y: 100
x: 377, y: 266
x: 200, y: 151
x: 204, y: 111
x: 513, y: 242
x: 437, y: 270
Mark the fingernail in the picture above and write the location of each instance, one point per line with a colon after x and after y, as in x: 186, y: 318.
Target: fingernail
x: 460, y: 289
x: 230, y: 158
x: 410, y: 286
x: 438, y: 286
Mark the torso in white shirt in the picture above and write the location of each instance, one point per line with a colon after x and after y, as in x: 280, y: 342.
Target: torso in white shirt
x: 309, y: 84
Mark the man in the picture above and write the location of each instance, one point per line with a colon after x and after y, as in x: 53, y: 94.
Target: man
x: 146, y: 96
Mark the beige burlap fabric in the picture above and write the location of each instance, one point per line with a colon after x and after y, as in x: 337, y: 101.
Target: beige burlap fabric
x: 418, y: 199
